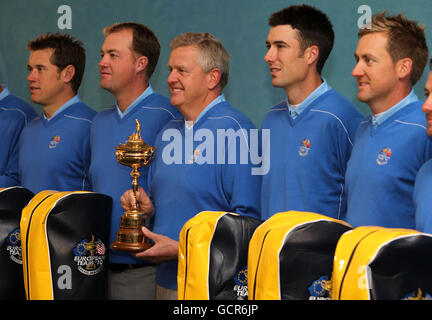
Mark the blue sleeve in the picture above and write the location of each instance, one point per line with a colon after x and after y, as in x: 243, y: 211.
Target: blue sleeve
x: 241, y: 187
x: 9, y: 169
x: 346, y: 130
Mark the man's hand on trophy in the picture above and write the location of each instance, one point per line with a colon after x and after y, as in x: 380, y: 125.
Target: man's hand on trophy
x: 142, y: 200
x: 164, y: 248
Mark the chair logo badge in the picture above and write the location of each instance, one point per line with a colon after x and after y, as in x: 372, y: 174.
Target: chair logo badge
x: 240, y: 287
x: 13, y: 242
x: 320, y: 289
x: 417, y: 295
x: 90, y: 256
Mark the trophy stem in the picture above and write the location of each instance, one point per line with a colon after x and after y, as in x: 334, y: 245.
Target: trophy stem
x: 135, y: 174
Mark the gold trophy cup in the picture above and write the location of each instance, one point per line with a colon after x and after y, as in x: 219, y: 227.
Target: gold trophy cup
x: 135, y: 153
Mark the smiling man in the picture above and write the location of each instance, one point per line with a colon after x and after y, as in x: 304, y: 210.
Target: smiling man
x: 392, y: 144
x: 129, y: 56
x: 312, y: 130
x: 54, y: 151
x: 199, y: 69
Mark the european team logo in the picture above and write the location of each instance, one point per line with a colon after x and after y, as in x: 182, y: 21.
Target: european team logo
x: 384, y: 156
x: 320, y: 289
x: 417, y: 295
x: 90, y: 256
x: 304, y: 148
x: 54, y: 142
x: 241, y: 281
x: 13, y: 246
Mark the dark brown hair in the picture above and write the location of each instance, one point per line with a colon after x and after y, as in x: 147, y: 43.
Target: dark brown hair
x: 67, y: 51
x: 313, y: 26
x: 144, y: 42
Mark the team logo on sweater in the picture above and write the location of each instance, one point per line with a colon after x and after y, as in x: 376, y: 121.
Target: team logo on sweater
x: 304, y: 148
x: 90, y: 256
x: 195, y: 155
x: 54, y: 142
x: 384, y: 156
x: 240, y: 287
x: 13, y: 246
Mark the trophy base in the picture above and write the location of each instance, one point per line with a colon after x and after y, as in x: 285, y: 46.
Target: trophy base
x: 129, y: 247
x: 130, y: 237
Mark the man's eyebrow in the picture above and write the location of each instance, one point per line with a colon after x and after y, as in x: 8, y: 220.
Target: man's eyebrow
x: 35, y: 66
x: 110, y: 51
x: 276, y: 42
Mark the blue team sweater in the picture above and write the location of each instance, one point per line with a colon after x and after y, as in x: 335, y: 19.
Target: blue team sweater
x: 183, y: 186
x: 308, y: 156
x: 421, y: 197
x: 109, y: 177
x: 12, y: 102
x: 14, y: 115
x: 381, y: 172
x: 55, y: 154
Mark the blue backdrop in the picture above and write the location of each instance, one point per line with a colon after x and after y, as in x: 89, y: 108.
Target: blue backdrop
x: 240, y: 24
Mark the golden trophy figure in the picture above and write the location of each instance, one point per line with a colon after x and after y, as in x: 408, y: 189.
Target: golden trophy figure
x: 135, y: 153
x: 91, y: 247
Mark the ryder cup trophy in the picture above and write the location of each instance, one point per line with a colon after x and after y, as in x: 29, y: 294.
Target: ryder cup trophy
x: 135, y: 153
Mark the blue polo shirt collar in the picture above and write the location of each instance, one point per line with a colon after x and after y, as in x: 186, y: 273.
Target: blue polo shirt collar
x: 143, y: 95
x: 294, y: 112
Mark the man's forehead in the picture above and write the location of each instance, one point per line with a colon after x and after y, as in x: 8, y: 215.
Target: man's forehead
x: 41, y: 55
x: 117, y: 40
x: 428, y: 85
x: 284, y: 31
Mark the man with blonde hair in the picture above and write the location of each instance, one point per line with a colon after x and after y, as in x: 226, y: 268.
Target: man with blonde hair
x: 390, y: 145
x: 195, y: 181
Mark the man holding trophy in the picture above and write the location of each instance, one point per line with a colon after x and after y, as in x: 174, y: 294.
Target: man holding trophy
x: 193, y: 182
x: 129, y: 56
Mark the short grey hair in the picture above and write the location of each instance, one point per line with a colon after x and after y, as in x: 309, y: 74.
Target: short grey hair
x: 212, y: 52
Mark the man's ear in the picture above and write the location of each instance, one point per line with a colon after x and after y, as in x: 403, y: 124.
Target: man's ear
x: 404, y: 67
x: 68, y: 73
x: 311, y: 53
x: 214, y: 77
x: 141, y: 63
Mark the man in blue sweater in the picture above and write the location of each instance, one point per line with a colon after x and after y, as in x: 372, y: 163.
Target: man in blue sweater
x: 390, y: 145
x: 423, y: 183
x: 312, y: 131
x: 54, y: 150
x: 195, y: 167
x: 129, y: 56
x: 14, y: 115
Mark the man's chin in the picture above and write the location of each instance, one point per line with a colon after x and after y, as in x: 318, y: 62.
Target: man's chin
x: 35, y: 100
x: 362, y: 98
x: 106, y: 87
